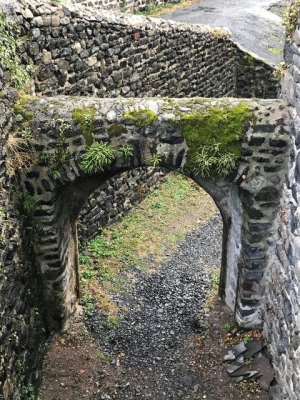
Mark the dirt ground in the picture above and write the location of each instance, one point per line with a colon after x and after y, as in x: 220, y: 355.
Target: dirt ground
x: 75, y: 367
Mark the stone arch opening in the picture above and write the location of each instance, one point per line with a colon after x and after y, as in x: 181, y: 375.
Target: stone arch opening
x: 69, y: 202
x: 248, y: 200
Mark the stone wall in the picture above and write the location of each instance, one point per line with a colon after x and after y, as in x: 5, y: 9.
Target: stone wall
x: 282, y: 320
x: 22, y: 333
x: 77, y: 51
x: 116, y: 197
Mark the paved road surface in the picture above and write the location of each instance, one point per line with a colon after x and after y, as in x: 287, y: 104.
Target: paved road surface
x: 255, y: 24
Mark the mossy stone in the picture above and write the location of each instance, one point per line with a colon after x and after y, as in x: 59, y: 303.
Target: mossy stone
x: 116, y: 130
x: 142, y: 118
x: 225, y: 126
x: 85, y: 118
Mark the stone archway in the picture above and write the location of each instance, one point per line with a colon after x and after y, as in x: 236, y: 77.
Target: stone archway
x: 64, y: 129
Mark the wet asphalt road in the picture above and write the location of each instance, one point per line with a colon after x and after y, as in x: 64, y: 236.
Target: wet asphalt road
x: 255, y: 24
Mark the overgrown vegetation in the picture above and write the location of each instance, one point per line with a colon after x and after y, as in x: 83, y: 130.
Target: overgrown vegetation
x: 290, y: 19
x: 21, y: 155
x: 9, y: 57
x: 96, y: 157
x: 214, y: 138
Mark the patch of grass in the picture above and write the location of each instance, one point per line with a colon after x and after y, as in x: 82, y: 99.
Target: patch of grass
x: 229, y: 326
x: 113, y: 322
x: 141, y: 233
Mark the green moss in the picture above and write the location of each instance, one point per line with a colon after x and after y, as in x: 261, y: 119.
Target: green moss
x: 85, y: 118
x: 142, y: 118
x: 223, y: 126
x: 248, y: 60
x: 116, y: 130
x: 21, y: 108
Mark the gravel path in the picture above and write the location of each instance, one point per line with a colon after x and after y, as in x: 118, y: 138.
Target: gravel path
x: 152, y: 349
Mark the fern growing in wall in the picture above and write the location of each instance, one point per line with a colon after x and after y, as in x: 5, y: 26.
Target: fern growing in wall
x: 97, y: 157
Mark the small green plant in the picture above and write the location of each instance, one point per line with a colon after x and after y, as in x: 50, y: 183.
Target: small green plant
x: 29, y: 204
x: 60, y: 156
x: 126, y: 151
x: 209, y: 159
x: 96, y: 157
x: 28, y: 393
x: 27, y: 135
x: 113, y: 322
x: 19, y: 366
x: 229, y: 326
x: 89, y: 305
x: 100, y: 247
x: 246, y: 339
x: 155, y: 160
x: 54, y: 174
x: 215, y: 278
x: 85, y: 260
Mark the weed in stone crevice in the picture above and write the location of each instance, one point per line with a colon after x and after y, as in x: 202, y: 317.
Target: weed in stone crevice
x: 126, y: 151
x: 229, y: 326
x: 29, y: 204
x: 57, y: 159
x: 155, y: 160
x: 85, y: 118
x: 97, y: 157
x: 209, y: 158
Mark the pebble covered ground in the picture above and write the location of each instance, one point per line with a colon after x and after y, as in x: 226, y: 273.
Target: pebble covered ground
x: 160, y: 313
